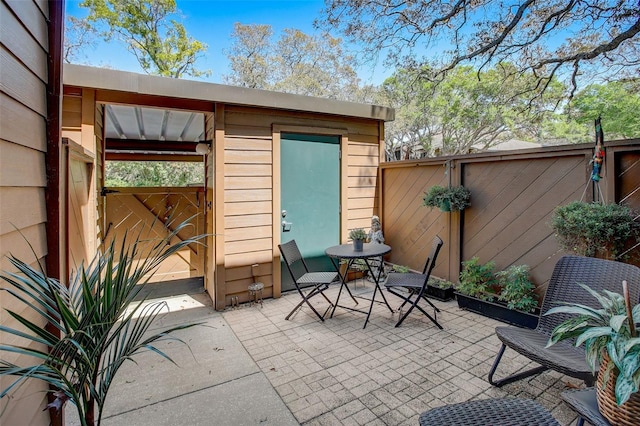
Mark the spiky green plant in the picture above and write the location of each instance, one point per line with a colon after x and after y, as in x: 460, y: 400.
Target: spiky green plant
x: 97, y: 326
x: 609, y: 330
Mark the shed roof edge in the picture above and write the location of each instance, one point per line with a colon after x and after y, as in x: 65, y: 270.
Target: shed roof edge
x: 109, y: 79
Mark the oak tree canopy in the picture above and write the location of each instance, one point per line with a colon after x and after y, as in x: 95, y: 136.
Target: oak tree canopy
x: 569, y: 40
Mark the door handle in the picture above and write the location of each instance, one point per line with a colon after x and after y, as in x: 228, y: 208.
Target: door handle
x: 286, y: 226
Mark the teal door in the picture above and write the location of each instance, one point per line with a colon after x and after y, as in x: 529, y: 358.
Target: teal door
x: 310, y: 198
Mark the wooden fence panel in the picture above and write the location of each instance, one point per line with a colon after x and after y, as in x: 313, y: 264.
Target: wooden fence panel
x: 409, y: 227
x: 511, y: 207
x: 627, y: 184
x: 513, y: 195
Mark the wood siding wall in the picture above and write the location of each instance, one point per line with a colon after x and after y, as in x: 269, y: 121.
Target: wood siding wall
x: 23, y: 144
x: 513, y: 197
x: 251, y: 188
x: 242, y: 185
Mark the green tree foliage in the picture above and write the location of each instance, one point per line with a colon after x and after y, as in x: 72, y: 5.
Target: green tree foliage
x: 249, y: 56
x: 296, y: 63
x: 153, y: 173
x: 160, y: 44
x: 569, y: 40
x: 468, y: 110
x: 618, y: 104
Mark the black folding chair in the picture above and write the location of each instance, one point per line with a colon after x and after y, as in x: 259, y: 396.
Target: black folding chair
x: 315, y: 282
x: 416, y: 284
x: 564, y: 357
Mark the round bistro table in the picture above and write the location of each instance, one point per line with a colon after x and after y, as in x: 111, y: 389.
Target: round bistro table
x: 369, y: 251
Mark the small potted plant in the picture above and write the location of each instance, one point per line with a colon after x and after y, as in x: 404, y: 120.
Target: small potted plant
x: 612, y: 347
x: 594, y: 229
x: 400, y: 269
x: 452, y: 198
x: 440, y: 289
x: 357, y: 270
x: 477, y: 280
x: 358, y: 236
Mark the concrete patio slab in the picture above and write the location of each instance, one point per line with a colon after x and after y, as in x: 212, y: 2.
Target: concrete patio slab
x: 248, y: 400
x: 215, y: 380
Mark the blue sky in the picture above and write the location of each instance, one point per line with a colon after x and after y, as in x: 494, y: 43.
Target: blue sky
x: 211, y: 21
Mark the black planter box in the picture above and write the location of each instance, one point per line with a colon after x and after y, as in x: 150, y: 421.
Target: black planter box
x: 442, y: 294
x: 497, y: 311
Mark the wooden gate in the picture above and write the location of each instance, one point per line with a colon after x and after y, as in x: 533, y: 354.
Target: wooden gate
x: 150, y: 213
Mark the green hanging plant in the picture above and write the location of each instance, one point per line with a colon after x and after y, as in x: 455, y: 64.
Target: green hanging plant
x: 594, y: 229
x: 453, y: 198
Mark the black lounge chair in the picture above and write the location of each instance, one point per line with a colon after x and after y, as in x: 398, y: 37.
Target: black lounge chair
x: 563, y: 356
x: 416, y: 284
x: 314, y: 282
x: 490, y: 412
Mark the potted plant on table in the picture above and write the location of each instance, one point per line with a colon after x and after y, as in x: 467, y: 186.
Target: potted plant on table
x: 612, y: 345
x: 452, y: 198
x: 358, y: 236
x: 481, y: 291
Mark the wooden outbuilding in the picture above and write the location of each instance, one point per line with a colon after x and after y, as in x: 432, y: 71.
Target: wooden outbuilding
x: 268, y: 158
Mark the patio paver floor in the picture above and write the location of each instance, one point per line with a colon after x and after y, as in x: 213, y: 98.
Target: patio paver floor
x: 248, y: 366
x: 336, y: 373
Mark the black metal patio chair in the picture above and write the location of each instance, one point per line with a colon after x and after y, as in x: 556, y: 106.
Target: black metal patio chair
x: 416, y: 284
x: 563, y: 287
x: 314, y: 283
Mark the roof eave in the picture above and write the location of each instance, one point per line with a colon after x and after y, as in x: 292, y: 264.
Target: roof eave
x: 108, y: 79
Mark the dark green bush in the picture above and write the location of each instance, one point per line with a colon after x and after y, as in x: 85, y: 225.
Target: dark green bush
x: 593, y: 229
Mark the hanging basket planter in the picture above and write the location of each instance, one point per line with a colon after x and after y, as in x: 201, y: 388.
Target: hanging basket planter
x: 453, y: 198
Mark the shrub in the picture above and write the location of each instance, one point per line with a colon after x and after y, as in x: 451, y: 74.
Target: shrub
x: 516, y: 289
x: 477, y: 280
x: 592, y: 229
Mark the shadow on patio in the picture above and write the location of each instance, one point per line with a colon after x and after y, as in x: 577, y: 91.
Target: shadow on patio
x: 249, y: 366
